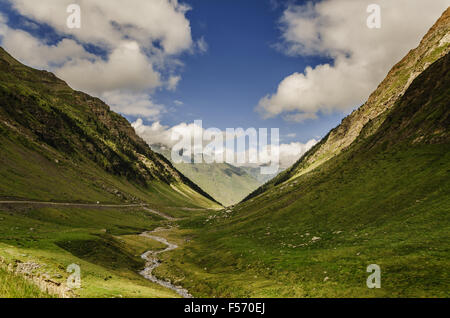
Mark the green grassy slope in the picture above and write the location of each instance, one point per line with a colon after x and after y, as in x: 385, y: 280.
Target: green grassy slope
x: 59, y: 144
x: 102, y: 241
x: 384, y: 200
x: 433, y: 46
x: 14, y: 286
x: 226, y: 183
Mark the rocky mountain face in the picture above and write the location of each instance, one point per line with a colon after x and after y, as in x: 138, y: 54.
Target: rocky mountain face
x: 367, y: 118
x: 421, y: 116
x: 43, y: 110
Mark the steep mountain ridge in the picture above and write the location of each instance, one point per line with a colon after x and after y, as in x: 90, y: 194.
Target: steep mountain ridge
x: 79, y: 186
x: 43, y: 114
x: 367, y: 118
x: 384, y: 200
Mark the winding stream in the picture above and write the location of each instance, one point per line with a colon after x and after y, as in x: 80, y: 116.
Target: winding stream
x: 153, y: 262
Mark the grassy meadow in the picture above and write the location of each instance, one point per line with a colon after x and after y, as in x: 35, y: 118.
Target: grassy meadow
x: 104, y: 242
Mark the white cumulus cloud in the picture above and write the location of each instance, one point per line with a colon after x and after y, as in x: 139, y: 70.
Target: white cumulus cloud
x: 37, y: 54
x: 126, y: 68
x: 141, y: 41
x: 361, y: 57
x: 158, y: 134
x: 134, y: 104
x: 108, y: 22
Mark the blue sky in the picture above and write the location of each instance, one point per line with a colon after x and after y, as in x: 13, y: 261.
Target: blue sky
x: 224, y: 85
x: 303, y: 64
